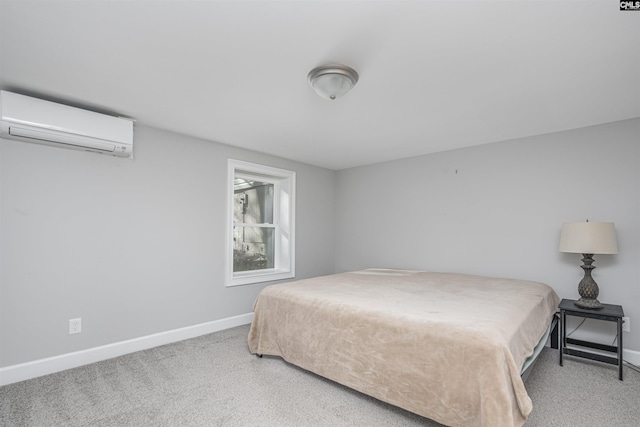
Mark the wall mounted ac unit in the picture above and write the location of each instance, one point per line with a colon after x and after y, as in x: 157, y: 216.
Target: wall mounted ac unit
x: 35, y: 120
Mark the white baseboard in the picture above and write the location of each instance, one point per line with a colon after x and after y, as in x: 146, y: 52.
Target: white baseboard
x: 631, y: 356
x: 50, y: 365
x: 37, y: 368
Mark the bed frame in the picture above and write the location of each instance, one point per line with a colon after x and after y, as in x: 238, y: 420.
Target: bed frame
x: 553, y: 337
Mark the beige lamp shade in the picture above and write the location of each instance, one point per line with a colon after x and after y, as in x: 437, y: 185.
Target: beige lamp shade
x: 588, y: 238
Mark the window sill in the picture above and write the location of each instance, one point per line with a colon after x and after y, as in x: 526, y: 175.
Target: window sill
x: 250, y: 277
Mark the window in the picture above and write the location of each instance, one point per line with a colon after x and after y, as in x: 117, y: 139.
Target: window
x: 261, y: 223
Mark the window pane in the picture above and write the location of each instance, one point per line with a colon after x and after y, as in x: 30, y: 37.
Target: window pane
x: 253, y: 248
x: 252, y: 202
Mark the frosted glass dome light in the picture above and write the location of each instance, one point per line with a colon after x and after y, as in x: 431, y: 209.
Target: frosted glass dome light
x: 332, y: 81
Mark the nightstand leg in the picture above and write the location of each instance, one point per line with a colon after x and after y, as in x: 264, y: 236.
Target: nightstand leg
x: 620, y: 361
x: 562, y: 343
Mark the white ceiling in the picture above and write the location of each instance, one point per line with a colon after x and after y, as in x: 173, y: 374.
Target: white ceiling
x: 434, y: 75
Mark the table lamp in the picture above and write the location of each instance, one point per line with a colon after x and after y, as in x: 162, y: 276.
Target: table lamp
x: 588, y: 238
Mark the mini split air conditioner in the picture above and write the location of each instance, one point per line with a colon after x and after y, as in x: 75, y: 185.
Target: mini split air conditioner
x: 34, y: 120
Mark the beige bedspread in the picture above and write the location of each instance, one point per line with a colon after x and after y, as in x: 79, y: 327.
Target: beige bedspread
x: 446, y: 346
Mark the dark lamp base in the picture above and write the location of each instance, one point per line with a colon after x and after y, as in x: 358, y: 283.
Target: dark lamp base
x: 588, y: 303
x: 588, y: 288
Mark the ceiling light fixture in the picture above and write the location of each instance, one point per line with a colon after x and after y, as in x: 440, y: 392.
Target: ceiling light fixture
x: 332, y: 81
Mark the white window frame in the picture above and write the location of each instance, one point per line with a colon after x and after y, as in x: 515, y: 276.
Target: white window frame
x: 284, y: 182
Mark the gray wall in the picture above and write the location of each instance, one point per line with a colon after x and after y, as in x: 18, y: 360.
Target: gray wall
x: 136, y: 247
x: 497, y: 210
x: 133, y: 247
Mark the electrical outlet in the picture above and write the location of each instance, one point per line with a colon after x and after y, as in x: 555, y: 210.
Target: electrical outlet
x: 626, y: 324
x: 75, y: 326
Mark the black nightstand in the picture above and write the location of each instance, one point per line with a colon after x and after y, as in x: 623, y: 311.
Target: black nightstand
x: 611, y: 313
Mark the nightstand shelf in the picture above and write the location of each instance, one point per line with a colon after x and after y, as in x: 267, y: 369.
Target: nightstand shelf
x: 610, y: 313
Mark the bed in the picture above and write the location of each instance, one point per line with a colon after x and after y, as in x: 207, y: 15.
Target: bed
x: 446, y: 346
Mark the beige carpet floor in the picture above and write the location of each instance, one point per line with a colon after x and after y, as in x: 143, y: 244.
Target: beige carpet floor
x: 213, y: 380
